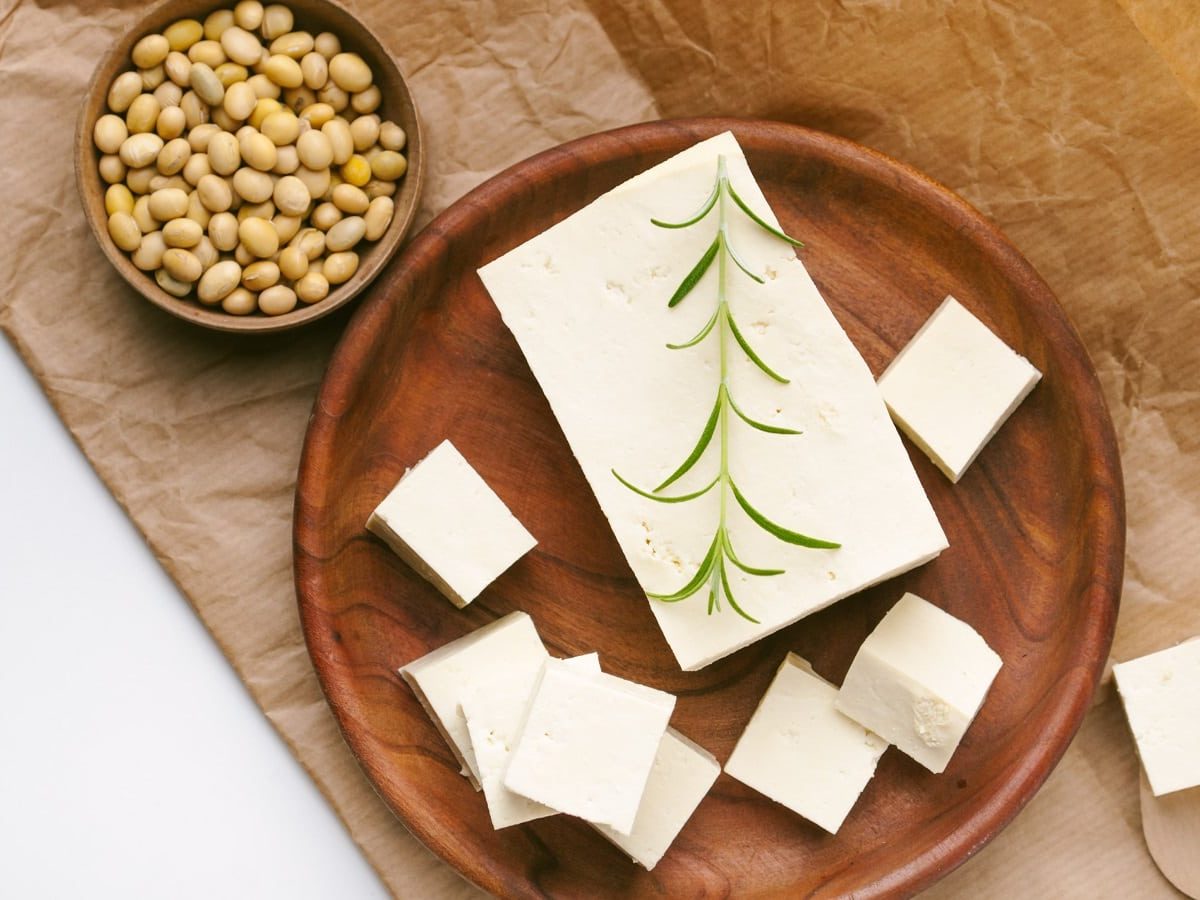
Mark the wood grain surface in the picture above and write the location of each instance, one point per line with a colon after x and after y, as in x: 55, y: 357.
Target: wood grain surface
x: 1036, y: 531
x: 314, y: 16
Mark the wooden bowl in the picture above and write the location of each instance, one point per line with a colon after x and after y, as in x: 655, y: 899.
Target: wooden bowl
x: 1036, y: 530
x: 311, y: 15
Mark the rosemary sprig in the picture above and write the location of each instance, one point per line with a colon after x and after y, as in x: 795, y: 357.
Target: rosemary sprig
x: 712, y: 570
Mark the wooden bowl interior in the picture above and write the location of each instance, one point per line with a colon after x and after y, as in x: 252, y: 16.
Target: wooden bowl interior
x: 311, y: 15
x: 1036, y: 532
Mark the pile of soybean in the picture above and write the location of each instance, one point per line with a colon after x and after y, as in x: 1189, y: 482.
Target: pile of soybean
x: 245, y: 161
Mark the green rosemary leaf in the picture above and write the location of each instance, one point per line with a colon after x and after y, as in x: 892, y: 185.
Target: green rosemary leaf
x: 727, y: 544
x: 784, y: 534
x: 729, y: 596
x: 749, y: 351
x: 699, y: 337
x: 704, y: 211
x: 706, y: 437
x: 714, y: 603
x: 692, y: 277
x: 757, y: 219
x: 683, y: 498
x: 761, y: 426
x: 741, y: 265
x: 698, y: 579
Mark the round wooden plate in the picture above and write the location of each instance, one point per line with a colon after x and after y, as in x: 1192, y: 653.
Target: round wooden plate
x: 1036, y: 531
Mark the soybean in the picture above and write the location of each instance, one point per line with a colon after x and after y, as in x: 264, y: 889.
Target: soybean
x: 182, y: 34
x: 378, y: 217
x: 219, y: 282
x: 258, y: 236
x: 171, y: 123
x: 240, y: 101
x: 312, y: 287
x: 118, y: 198
x: 170, y: 285
x: 109, y: 133
x: 260, y: 275
x: 150, y: 51
x: 223, y: 231
x: 277, y: 20
x: 349, y: 72
x: 182, y: 265
x: 149, y: 254
x: 282, y: 127
x: 168, y: 204
x: 239, y: 302
x: 215, y: 193
x: 339, y: 268
x: 183, y: 233
x: 124, y: 90
x: 275, y: 301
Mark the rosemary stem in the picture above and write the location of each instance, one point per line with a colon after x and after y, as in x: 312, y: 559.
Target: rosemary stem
x: 723, y: 321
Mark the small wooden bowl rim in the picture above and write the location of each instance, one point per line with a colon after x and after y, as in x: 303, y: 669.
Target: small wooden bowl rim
x: 89, y: 185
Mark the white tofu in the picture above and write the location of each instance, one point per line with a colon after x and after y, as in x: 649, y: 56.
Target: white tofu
x: 1161, y: 693
x: 588, y: 744
x: 445, y: 522
x: 494, y: 712
x: 682, y: 774
x: 587, y: 302
x: 953, y: 386
x: 507, y: 651
x: 918, y: 680
x: 801, y: 752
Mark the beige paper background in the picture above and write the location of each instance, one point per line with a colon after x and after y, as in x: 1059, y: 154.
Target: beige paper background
x: 1069, y: 123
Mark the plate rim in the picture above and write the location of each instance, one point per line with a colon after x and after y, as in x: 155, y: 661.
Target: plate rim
x: 1102, y: 594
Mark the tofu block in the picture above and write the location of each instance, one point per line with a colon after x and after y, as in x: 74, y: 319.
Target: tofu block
x: 495, y: 712
x: 953, y: 386
x: 918, y: 680
x: 681, y: 776
x: 588, y: 745
x: 1161, y: 693
x: 505, y: 652
x: 444, y: 521
x: 587, y: 302
x: 801, y: 752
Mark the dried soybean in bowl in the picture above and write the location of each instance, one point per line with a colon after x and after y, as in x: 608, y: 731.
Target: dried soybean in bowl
x: 246, y: 160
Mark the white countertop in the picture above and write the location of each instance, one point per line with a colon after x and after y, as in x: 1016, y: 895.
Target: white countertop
x: 132, y: 761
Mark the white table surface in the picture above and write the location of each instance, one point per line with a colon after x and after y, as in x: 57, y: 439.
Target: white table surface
x: 132, y: 761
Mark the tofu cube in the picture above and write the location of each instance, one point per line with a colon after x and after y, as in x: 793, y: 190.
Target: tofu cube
x: 918, y: 680
x: 953, y: 386
x: 801, y: 752
x: 588, y: 745
x: 682, y: 774
x: 505, y: 652
x: 444, y: 521
x: 1161, y: 693
x: 494, y: 712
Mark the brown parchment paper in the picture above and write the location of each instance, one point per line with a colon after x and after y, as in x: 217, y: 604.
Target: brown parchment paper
x: 1072, y: 124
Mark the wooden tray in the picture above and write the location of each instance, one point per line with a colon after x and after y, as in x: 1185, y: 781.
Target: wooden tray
x: 1036, y: 531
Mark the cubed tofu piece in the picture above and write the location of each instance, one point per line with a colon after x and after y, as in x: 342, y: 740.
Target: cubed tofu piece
x: 953, y: 386
x: 682, y: 774
x: 445, y: 522
x: 495, y: 711
x: 918, y: 680
x: 801, y: 752
x: 505, y: 652
x: 1161, y: 693
x: 588, y: 745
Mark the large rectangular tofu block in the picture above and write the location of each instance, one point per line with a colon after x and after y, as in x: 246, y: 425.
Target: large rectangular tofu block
x: 587, y: 302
